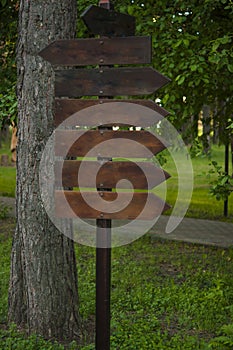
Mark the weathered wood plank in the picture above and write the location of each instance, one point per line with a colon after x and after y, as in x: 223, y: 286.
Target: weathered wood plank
x: 101, y: 21
x: 71, y: 204
x: 142, y: 175
x: 104, y: 51
x: 108, y: 81
x: 120, y: 111
x: 107, y: 143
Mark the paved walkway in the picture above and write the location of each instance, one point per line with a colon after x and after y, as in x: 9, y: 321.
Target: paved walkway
x: 199, y: 231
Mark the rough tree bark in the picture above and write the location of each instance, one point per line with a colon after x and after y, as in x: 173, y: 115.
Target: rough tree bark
x: 43, y: 284
x: 231, y: 139
x: 206, y: 128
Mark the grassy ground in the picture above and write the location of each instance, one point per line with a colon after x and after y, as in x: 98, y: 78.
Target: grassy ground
x: 165, y: 295
x: 202, y: 205
x: 7, y: 175
x: 7, y: 181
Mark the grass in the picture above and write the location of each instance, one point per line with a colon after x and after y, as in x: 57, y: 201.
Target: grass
x: 5, y: 147
x: 202, y: 205
x: 6, y: 230
x: 165, y: 295
x: 7, y: 174
x: 7, y: 181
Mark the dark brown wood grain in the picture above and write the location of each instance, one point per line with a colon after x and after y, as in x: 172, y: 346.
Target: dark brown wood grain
x: 77, y: 143
x: 103, y: 51
x: 142, y: 175
x: 108, y: 81
x: 101, y: 21
x: 71, y: 204
x: 78, y: 112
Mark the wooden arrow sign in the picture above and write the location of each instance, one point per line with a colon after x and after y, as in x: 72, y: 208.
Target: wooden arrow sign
x: 108, y: 82
x: 142, y: 175
x: 108, y: 143
x: 104, y: 51
x: 73, y: 112
x: 101, y: 21
x: 71, y: 204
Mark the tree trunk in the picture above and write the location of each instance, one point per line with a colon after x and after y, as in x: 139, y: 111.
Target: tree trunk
x: 206, y: 128
x: 215, y: 125
x: 231, y: 138
x: 4, y: 135
x: 43, y: 284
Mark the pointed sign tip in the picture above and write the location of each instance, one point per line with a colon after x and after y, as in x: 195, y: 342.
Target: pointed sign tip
x: 102, y: 21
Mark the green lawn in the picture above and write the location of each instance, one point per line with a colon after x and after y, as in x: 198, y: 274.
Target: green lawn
x: 202, y: 205
x: 7, y: 181
x: 7, y: 175
x: 165, y: 295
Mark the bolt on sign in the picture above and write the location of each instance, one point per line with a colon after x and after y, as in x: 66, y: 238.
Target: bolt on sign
x: 89, y: 71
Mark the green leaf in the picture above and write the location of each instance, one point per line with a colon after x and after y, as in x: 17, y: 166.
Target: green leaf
x: 224, y: 180
x: 186, y: 42
x: 130, y: 10
x: 225, y: 39
x: 181, y: 80
x: 206, y: 80
x: 193, y: 67
x: 215, y: 45
x: 230, y: 67
x: 3, y: 2
x: 165, y: 98
x: 178, y: 43
x: 214, y: 58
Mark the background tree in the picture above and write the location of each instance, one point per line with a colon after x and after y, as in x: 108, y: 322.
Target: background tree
x: 8, y: 35
x: 192, y: 44
x: 43, y: 282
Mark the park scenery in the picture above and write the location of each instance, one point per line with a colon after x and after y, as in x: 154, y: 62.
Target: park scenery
x: 116, y: 175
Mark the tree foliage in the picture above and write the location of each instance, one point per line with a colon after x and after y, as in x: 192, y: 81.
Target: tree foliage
x: 221, y: 188
x: 8, y: 37
x: 192, y: 45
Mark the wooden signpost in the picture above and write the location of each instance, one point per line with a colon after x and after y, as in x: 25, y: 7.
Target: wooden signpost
x: 105, y: 51
x: 65, y: 108
x: 87, y: 141
x: 78, y: 206
x: 115, y: 45
x: 108, y: 81
x: 66, y: 174
x: 102, y: 22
